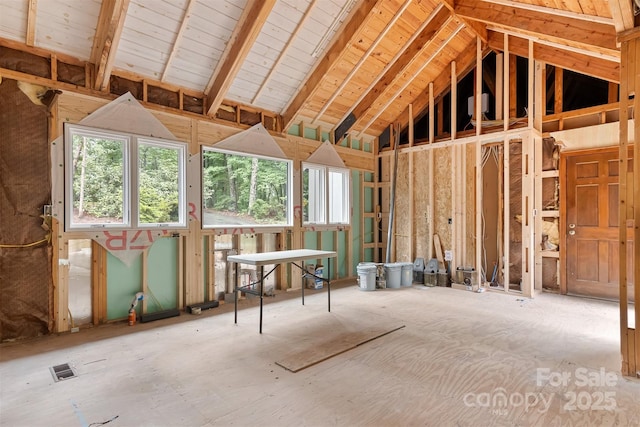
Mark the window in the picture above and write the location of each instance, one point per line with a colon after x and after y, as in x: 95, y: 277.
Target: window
x: 242, y: 190
x: 314, y: 195
x: 118, y: 180
x: 325, y: 195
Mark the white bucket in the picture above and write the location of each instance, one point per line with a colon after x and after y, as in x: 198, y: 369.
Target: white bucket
x: 406, y: 274
x: 367, y: 276
x: 319, y: 282
x: 393, y: 272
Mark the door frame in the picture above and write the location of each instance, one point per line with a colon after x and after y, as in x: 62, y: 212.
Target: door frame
x: 564, y: 155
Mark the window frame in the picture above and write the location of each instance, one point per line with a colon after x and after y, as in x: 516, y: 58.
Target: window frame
x: 130, y: 179
x: 328, y: 196
x: 289, y: 203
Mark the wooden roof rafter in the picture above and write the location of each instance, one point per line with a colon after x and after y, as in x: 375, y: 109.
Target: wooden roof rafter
x: 479, y: 28
x: 438, y: 16
x: 590, y: 36
x: 107, y: 37
x: 441, y: 45
x: 569, y: 48
x: 30, y: 37
x: 246, y: 33
x: 622, y: 13
x: 176, y: 42
x: 362, y: 59
x: 465, y: 62
x: 568, y: 60
x: 432, y: 26
x: 553, y: 11
x: 359, y: 19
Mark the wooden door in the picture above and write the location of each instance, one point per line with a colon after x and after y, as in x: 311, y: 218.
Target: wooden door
x: 592, y: 248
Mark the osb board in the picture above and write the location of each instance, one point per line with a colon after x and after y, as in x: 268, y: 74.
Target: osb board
x: 442, y: 195
x: 402, y: 212
x: 332, y: 343
x: 470, y: 213
x: 550, y: 274
x: 25, y: 273
x: 421, y: 202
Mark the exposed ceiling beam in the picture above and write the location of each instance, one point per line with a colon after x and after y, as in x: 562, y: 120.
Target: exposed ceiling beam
x: 358, y: 21
x: 30, y: 37
x: 538, y: 40
x: 106, y: 39
x: 247, y: 30
x: 381, y: 35
x: 349, y: 118
x: 588, y: 35
x: 622, y: 13
x: 436, y: 23
x: 396, y: 94
x: 479, y: 28
x: 590, y: 66
x: 284, y: 51
x: 174, y: 48
x: 465, y: 61
x: 553, y: 11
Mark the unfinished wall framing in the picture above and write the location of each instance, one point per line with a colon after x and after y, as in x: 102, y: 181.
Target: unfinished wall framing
x: 629, y: 203
x: 197, y: 257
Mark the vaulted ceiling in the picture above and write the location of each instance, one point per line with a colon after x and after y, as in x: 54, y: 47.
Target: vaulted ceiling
x: 324, y: 62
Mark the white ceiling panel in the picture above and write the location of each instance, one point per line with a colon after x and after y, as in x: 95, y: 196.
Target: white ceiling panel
x: 67, y: 26
x: 149, y: 32
x: 13, y: 19
x: 203, y: 41
x: 277, y: 34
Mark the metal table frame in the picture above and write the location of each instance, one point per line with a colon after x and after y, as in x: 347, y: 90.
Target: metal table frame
x: 277, y: 258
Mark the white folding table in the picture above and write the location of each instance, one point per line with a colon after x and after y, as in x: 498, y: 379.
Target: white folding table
x: 277, y: 258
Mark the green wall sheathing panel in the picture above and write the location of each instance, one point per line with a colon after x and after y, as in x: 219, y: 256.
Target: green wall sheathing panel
x: 356, y: 228
x: 123, y: 282
x: 294, y: 130
x: 368, y: 200
x: 367, y: 147
x: 162, y: 276
x: 355, y: 144
x: 342, y: 254
x: 327, y: 245
x: 205, y: 266
x: 325, y: 136
x: 368, y: 177
x: 368, y: 230
x: 311, y: 133
x: 368, y: 255
x: 310, y: 240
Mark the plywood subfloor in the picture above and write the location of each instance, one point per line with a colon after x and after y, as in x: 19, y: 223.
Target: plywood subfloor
x: 457, y: 355
x: 332, y: 339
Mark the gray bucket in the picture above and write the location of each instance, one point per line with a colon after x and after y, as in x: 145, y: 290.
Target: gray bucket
x: 443, y: 279
x: 393, y: 273
x: 406, y: 278
x: 430, y: 279
x: 367, y: 276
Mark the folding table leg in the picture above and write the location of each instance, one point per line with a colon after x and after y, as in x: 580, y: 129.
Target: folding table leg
x: 235, y: 293
x: 329, y: 284
x: 261, y: 293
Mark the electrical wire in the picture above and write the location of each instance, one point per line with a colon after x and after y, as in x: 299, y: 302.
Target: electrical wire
x: 26, y: 245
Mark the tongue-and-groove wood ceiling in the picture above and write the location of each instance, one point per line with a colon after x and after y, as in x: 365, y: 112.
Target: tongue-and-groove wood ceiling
x: 317, y: 61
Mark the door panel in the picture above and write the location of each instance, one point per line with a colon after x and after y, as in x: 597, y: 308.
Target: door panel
x: 592, y: 225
